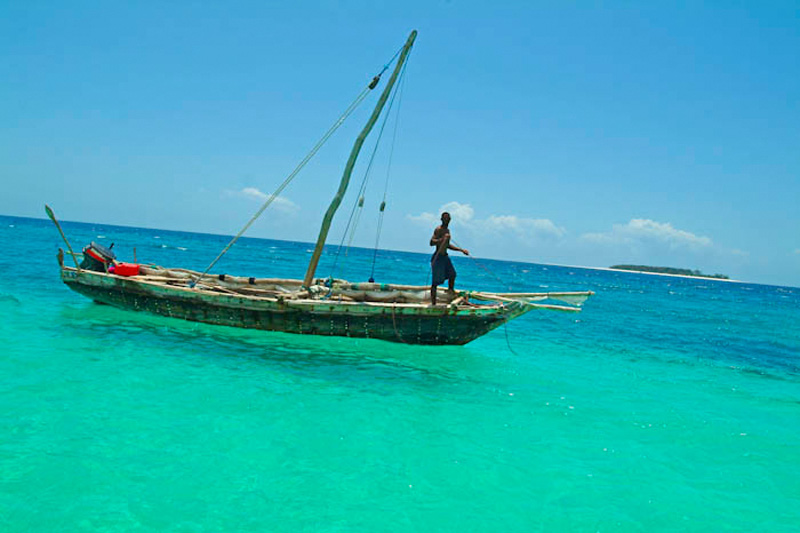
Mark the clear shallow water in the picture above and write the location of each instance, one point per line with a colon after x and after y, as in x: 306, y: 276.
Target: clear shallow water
x: 669, y: 404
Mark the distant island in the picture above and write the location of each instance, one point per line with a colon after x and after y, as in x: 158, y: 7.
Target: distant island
x: 669, y: 270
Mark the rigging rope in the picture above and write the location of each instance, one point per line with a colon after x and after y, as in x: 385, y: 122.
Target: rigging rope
x: 505, y: 324
x: 388, y: 171
x: 347, y: 112
x: 365, y: 180
x: 508, y: 342
x: 360, y: 209
x: 495, y: 276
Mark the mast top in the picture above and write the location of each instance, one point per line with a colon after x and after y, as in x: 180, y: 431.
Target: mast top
x: 348, y: 169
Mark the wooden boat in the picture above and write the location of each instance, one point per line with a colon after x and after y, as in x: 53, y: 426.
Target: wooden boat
x: 317, y: 306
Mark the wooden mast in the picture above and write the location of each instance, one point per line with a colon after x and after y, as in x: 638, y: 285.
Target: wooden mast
x: 348, y: 169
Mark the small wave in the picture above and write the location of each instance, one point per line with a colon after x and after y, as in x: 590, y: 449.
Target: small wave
x: 181, y: 248
x: 156, y: 237
x: 7, y: 298
x: 11, y: 225
x: 101, y: 236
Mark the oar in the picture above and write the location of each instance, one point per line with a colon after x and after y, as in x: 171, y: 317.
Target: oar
x: 53, y: 218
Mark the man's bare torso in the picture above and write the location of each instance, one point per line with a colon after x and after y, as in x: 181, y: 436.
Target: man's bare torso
x: 442, y: 232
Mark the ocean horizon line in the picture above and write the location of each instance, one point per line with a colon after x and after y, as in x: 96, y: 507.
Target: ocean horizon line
x: 393, y: 250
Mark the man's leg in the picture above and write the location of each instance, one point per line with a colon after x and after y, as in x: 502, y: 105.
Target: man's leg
x: 451, y: 280
x: 433, y: 294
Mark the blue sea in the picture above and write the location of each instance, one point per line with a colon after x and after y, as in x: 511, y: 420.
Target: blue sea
x: 668, y: 404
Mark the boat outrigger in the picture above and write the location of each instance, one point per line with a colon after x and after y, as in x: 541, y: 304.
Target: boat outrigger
x: 316, y: 306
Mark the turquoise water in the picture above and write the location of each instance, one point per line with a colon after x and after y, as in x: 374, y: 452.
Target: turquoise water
x: 668, y: 404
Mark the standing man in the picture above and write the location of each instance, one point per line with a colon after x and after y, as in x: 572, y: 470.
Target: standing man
x: 441, y: 266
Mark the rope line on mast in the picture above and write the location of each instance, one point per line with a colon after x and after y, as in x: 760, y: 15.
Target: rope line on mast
x: 339, y: 121
x: 327, y: 219
x: 362, y: 189
x: 382, y: 208
x: 388, y: 63
x: 365, y: 180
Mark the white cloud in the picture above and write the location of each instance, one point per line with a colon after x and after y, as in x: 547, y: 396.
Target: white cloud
x: 642, y: 231
x: 280, y: 203
x: 461, y: 213
x: 797, y: 252
x: 424, y: 219
x: 524, y: 226
x: 463, y: 217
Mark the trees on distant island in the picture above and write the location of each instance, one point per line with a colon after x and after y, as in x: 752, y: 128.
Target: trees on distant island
x: 669, y: 270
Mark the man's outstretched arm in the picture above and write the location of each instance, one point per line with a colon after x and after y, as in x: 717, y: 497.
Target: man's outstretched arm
x: 457, y: 249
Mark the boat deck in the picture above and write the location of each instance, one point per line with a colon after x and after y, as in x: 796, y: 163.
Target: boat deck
x: 390, y: 312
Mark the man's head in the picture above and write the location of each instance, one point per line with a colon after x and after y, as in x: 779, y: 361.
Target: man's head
x: 445, y: 218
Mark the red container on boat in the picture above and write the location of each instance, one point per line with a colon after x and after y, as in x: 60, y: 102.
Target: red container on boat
x: 126, y: 269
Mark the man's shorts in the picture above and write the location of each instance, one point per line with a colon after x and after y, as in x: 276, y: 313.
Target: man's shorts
x: 442, y: 269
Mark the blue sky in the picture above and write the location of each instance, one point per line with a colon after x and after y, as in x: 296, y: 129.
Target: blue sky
x: 587, y: 133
